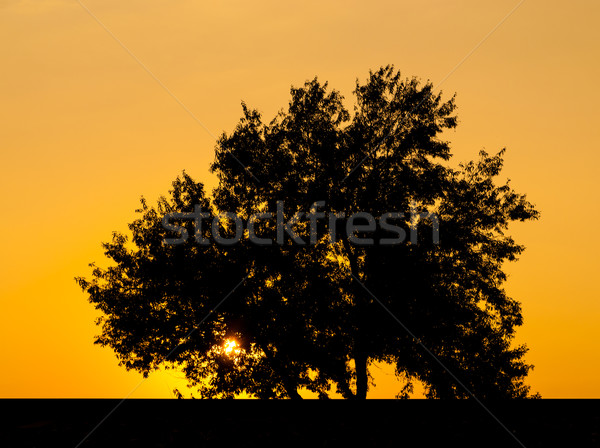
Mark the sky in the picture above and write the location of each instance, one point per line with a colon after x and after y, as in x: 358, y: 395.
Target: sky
x: 102, y: 102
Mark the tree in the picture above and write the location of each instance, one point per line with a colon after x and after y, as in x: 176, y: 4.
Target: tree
x: 315, y: 316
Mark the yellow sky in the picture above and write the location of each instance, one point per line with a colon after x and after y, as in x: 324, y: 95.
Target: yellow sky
x: 84, y: 131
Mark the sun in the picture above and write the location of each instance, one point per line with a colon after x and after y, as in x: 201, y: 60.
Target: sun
x: 231, y: 347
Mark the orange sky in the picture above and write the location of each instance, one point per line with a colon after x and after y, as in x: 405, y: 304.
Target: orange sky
x: 84, y: 131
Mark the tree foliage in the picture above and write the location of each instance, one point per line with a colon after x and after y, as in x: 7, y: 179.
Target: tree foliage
x: 302, y: 314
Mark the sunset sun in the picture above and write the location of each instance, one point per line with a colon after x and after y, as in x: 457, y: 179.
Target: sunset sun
x: 231, y: 347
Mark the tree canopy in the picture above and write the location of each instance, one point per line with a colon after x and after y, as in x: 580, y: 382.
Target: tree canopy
x: 314, y: 312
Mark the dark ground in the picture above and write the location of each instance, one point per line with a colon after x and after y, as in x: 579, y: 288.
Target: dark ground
x: 244, y: 423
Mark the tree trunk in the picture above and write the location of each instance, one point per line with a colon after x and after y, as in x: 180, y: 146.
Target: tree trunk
x: 293, y: 394
x: 360, y: 355
x: 290, y: 386
x: 360, y: 361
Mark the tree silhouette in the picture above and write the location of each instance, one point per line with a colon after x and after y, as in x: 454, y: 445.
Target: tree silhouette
x: 313, y: 312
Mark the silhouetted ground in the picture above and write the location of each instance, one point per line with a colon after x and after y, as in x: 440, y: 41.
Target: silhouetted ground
x: 187, y: 423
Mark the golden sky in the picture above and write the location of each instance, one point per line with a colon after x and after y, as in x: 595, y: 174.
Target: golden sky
x: 85, y: 131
